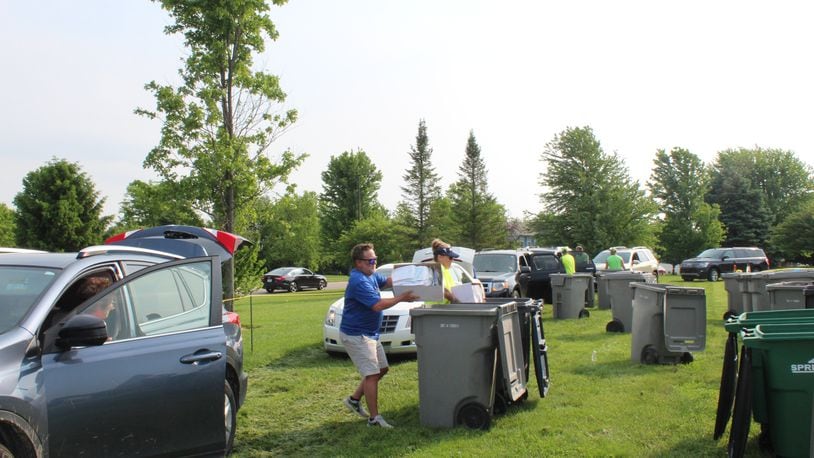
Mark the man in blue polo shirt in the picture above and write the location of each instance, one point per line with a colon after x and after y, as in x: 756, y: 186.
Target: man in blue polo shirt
x: 359, y: 330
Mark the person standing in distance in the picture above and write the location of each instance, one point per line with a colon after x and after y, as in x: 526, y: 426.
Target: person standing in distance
x: 359, y: 330
x: 568, y: 261
x: 614, y: 261
x: 442, y: 254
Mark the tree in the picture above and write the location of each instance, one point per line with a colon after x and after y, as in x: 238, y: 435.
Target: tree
x: 678, y: 183
x: 795, y: 235
x: 350, y: 187
x: 59, y: 209
x: 421, y: 189
x: 377, y: 229
x: 288, y: 231
x: 219, y: 123
x: 7, y: 226
x: 155, y: 204
x: 480, y: 220
x: 588, y: 197
x: 775, y: 182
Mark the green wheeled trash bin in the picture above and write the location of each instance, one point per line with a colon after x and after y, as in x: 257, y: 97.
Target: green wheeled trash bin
x: 669, y: 322
x: 788, y: 369
x: 789, y: 295
x: 568, y: 295
x: 616, y: 286
x: 461, y: 350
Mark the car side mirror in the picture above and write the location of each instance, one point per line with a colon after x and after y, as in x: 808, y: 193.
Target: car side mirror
x: 525, y: 269
x: 724, y: 258
x: 82, y: 331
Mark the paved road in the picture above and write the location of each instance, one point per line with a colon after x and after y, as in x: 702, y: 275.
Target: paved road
x: 332, y: 286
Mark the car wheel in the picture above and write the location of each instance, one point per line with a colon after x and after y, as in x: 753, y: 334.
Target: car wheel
x: 4, y: 452
x: 292, y: 287
x: 322, y: 284
x: 269, y: 290
x: 713, y: 274
x: 686, y: 278
x: 229, y: 416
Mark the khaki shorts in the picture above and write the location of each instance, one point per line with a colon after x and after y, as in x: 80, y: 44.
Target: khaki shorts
x: 366, y: 353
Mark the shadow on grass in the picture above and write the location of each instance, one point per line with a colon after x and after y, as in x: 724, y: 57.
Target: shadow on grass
x: 312, y: 356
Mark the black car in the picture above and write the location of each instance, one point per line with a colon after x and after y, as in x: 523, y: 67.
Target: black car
x: 710, y: 264
x: 121, y: 349
x: 293, y: 279
x: 544, y: 262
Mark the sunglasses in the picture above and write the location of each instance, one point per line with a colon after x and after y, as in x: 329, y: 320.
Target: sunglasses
x: 371, y: 261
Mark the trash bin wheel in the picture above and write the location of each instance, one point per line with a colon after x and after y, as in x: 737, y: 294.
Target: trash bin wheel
x: 474, y: 416
x: 726, y: 392
x: 584, y: 313
x: 687, y: 358
x: 650, y: 355
x: 764, y: 439
x: 615, y: 326
x: 729, y: 314
x: 501, y: 406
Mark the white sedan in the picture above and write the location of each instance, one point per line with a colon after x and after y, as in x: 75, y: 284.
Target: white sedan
x: 395, y: 333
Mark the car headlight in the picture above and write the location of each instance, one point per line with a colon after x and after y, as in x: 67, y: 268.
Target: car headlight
x: 410, y: 322
x: 330, y: 320
x: 500, y: 286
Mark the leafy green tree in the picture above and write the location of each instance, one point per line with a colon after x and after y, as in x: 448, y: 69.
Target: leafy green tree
x: 794, y: 237
x: 350, y: 187
x: 7, y: 226
x: 219, y: 123
x: 480, y: 220
x: 756, y: 190
x: 155, y: 204
x: 421, y: 189
x: 589, y: 198
x: 289, y: 232
x: 678, y: 183
x: 59, y: 209
x: 376, y: 229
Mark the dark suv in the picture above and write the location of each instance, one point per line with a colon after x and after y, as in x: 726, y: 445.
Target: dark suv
x: 711, y: 263
x: 544, y: 262
x: 504, y: 273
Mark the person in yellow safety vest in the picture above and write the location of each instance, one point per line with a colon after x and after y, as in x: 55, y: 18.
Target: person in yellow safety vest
x: 442, y: 254
x: 614, y: 261
x: 568, y: 261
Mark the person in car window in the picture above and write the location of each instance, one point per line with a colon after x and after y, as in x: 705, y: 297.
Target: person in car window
x: 568, y: 261
x: 614, y: 261
x: 359, y: 330
x: 442, y: 254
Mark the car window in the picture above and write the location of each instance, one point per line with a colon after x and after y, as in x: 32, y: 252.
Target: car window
x: 495, y: 262
x: 307, y: 272
x: 171, y: 300
x: 602, y: 257
x: 280, y: 271
x: 643, y: 256
x: 547, y: 262
x: 19, y: 289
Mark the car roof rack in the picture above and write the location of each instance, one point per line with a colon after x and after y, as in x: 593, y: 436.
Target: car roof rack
x: 96, y: 250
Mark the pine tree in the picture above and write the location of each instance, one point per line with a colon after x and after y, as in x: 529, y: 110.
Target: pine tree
x: 421, y: 189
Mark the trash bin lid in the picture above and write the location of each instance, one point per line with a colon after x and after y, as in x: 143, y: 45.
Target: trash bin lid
x: 792, y: 285
x: 748, y: 320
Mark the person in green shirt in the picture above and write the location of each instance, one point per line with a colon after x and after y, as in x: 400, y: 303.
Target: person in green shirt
x: 568, y: 261
x: 614, y: 261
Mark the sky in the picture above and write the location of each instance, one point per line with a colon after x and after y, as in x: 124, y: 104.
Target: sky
x: 644, y: 75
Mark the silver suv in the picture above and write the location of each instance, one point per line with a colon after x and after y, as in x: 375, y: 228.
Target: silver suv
x: 504, y: 273
x: 637, y: 259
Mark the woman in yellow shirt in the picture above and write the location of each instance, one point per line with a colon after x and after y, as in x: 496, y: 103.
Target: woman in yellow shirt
x: 442, y: 254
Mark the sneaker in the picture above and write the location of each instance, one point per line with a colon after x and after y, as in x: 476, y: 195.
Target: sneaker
x: 378, y: 421
x: 355, y: 407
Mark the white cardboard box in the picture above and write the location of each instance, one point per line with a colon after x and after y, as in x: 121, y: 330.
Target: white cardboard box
x: 468, y: 293
x: 423, y: 279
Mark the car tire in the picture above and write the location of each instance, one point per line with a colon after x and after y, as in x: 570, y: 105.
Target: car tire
x: 269, y: 290
x: 4, y: 452
x: 293, y: 287
x: 229, y: 416
x: 322, y: 284
x: 687, y: 278
x: 713, y: 274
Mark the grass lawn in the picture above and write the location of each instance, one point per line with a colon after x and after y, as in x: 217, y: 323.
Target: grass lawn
x: 608, y: 407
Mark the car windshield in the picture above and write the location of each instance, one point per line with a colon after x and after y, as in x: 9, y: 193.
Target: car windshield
x: 711, y: 253
x: 602, y: 257
x: 19, y: 289
x: 495, y: 263
x: 281, y: 271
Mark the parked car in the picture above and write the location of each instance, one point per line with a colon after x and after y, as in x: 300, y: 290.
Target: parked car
x: 711, y: 263
x: 544, y: 262
x: 637, y: 259
x: 504, y: 273
x: 159, y: 372
x: 395, y: 332
x: 293, y: 279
